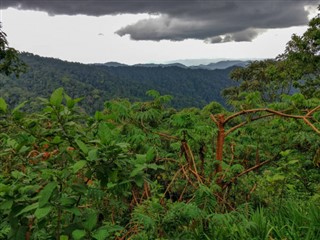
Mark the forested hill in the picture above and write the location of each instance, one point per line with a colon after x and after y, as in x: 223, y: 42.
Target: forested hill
x: 97, y: 83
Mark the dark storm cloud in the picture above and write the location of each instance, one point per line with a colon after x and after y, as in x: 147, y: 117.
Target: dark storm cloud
x: 211, y: 20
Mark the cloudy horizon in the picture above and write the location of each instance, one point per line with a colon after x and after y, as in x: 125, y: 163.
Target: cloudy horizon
x: 154, y: 31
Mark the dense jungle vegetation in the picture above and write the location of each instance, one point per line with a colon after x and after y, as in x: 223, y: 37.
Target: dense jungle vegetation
x: 99, y: 83
x: 144, y: 170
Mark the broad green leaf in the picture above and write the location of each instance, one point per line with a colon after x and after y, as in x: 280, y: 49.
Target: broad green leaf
x: 291, y: 162
x: 46, y: 193
x: 42, y: 212
x: 276, y: 177
x: 56, y: 97
x: 139, y: 180
x: 63, y: 237
x: 139, y: 169
x: 17, y: 174
x: 78, y: 234
x: 67, y: 201
x: 91, y: 221
x: 70, y: 101
x: 93, y: 154
x: 74, y: 211
x: 101, y: 234
x: 28, y: 208
x: 285, y: 153
x: 104, y: 133
x: 141, y: 158
x: 4, y: 188
x: 6, y: 205
x: 3, y: 105
x: 56, y: 140
x: 17, y: 108
x: 150, y: 155
x: 79, y: 165
x: 155, y: 166
x: 83, y: 147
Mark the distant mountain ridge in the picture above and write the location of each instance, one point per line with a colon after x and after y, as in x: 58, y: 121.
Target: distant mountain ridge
x: 211, y: 66
x: 222, y: 65
x: 98, y: 83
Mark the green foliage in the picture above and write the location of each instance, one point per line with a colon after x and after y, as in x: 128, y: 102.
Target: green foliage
x: 9, y: 58
x: 302, y: 53
x: 144, y: 171
x: 188, y: 87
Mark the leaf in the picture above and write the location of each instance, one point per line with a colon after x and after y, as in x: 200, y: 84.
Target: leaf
x: 80, y: 188
x: 17, y: 175
x: 155, y: 166
x: 42, y: 212
x: 138, y: 170
x: 46, y: 193
x: 101, y: 234
x: 3, y: 105
x: 291, y: 162
x: 56, y: 97
x: 28, y: 208
x: 139, y: 180
x: 91, y: 221
x: 104, y: 133
x: 67, y: 201
x: 285, y: 153
x: 83, y: 147
x: 4, y: 188
x: 150, y: 155
x: 93, y: 154
x: 74, y: 211
x: 70, y: 101
x: 6, y: 205
x: 153, y: 93
x: 317, y: 116
x: 140, y: 158
x: 17, y: 108
x: 63, y: 237
x: 99, y: 116
x: 78, y: 234
x: 78, y: 165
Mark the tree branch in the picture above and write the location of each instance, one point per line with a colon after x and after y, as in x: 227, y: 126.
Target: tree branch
x: 213, y: 118
x: 245, y: 122
x: 245, y: 172
x: 264, y: 110
x: 311, y: 125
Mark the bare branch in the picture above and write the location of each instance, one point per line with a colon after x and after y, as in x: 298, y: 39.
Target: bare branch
x: 245, y: 122
x: 213, y: 118
x: 245, y: 172
x: 313, y: 111
x: 263, y: 110
x: 311, y: 125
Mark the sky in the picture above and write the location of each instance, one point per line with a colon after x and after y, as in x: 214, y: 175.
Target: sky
x: 153, y: 31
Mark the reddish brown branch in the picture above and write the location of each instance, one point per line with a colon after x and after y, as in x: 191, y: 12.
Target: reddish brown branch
x: 246, y: 171
x: 313, y: 111
x: 311, y: 125
x: 245, y: 122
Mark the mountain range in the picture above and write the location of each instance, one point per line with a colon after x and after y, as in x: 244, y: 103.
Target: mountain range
x: 97, y: 83
x: 210, y: 66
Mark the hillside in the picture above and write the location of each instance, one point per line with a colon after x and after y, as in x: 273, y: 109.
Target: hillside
x: 98, y: 83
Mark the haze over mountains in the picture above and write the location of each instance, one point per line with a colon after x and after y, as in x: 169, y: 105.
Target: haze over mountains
x: 210, y: 66
x: 97, y: 83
